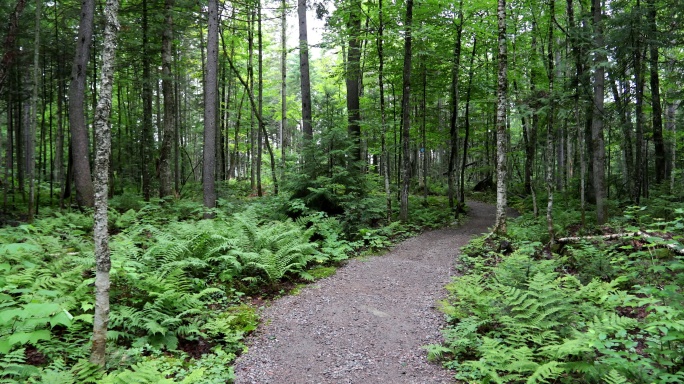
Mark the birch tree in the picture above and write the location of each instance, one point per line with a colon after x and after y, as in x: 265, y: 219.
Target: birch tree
x: 501, y: 95
x: 104, y: 146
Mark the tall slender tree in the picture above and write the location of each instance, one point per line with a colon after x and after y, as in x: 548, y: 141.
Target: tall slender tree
x: 405, y: 114
x: 353, y: 77
x: 210, y: 103
x: 77, y: 123
x: 453, y: 120
x: 146, y: 144
x: 169, y: 128
x: 385, y: 160
x: 599, y: 149
x: 501, y: 131
x: 30, y: 144
x: 656, y: 106
x: 305, y: 82
x: 102, y: 154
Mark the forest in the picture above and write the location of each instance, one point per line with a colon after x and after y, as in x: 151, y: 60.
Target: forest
x: 168, y: 166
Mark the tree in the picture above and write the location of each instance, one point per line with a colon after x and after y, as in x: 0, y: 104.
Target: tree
x: 102, y: 154
x: 598, y: 146
x: 169, y: 130
x: 501, y: 132
x: 30, y: 144
x: 405, y: 115
x: 657, y: 109
x: 210, y: 102
x: 146, y: 144
x: 77, y: 124
x: 383, y: 122
x: 283, y: 81
x: 453, y: 121
x: 305, y: 81
x: 353, y: 78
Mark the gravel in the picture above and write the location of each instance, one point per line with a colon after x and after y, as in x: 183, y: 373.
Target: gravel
x: 368, y: 322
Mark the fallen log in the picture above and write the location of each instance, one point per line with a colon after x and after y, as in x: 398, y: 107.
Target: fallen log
x: 676, y: 248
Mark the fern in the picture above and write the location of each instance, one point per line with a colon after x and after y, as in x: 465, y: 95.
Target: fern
x: 545, y: 373
x: 613, y: 377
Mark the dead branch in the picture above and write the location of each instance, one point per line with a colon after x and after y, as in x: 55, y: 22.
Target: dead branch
x: 676, y: 248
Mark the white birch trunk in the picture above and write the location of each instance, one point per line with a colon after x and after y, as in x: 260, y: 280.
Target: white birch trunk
x: 502, y: 88
x: 104, y: 146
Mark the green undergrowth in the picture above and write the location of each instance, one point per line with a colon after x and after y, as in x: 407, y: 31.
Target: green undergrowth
x: 590, y: 311
x: 184, y: 291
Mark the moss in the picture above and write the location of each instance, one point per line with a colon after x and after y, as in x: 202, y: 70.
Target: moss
x: 321, y: 272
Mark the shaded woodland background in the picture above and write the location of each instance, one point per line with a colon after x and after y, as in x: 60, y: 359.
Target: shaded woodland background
x: 158, y: 111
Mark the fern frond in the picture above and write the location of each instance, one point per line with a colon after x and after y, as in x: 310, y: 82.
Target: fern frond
x: 613, y: 377
x: 546, y: 372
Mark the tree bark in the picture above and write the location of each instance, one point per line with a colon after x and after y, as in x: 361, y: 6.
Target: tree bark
x: 30, y: 144
x: 639, y: 182
x: 305, y: 81
x: 453, y: 119
x: 501, y: 132
x: 383, y: 121
x: 102, y: 154
x: 353, y: 79
x: 405, y: 115
x: 656, y: 105
x: 169, y: 129
x: 466, y: 136
x: 599, y: 149
x: 210, y: 102
x: 550, y: 129
x: 147, y: 134
x: 262, y: 128
x: 77, y: 124
x: 283, y: 83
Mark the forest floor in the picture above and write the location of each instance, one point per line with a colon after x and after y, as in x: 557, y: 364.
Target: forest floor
x: 369, y: 321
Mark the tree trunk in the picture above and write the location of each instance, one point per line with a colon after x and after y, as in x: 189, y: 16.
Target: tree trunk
x: 627, y: 127
x: 283, y: 84
x: 169, y: 130
x: 210, y: 102
x: 353, y: 79
x: 147, y: 134
x: 30, y: 144
x: 383, y: 121
x: 305, y: 81
x: 501, y: 96
x: 672, y: 113
x: 639, y: 182
x: 655, y: 94
x: 405, y: 115
x: 453, y: 119
x: 466, y: 136
x: 104, y: 147
x: 77, y: 124
x: 260, y: 135
x: 549, y: 130
x: 599, y: 149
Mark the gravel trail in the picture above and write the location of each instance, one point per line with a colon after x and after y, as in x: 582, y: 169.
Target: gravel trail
x: 366, y: 323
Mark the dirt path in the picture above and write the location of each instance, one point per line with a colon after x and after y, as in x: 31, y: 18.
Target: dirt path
x: 366, y: 323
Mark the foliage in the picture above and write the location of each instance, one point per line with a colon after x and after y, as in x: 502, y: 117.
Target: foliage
x: 178, y: 284
x: 595, y: 312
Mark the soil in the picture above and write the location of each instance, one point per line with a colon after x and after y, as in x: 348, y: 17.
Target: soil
x: 369, y: 321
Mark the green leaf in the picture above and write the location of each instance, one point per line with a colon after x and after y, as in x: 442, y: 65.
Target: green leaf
x: 29, y: 337
x: 64, y: 317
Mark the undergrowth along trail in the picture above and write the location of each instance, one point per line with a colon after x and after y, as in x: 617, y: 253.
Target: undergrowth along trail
x: 368, y: 322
